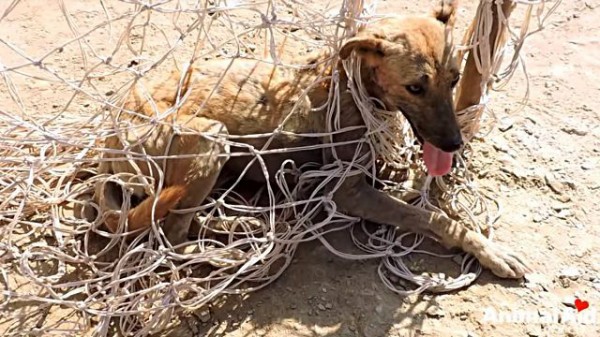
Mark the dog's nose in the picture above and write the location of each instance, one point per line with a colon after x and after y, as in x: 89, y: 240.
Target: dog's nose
x: 452, y: 144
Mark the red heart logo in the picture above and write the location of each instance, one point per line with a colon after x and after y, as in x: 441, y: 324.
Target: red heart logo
x: 581, y: 305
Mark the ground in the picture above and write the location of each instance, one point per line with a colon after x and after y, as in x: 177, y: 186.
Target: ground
x: 541, y: 161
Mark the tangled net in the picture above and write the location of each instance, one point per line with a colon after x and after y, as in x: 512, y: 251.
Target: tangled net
x: 53, y: 260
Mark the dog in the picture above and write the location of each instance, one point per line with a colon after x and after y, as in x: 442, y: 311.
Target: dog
x: 405, y: 64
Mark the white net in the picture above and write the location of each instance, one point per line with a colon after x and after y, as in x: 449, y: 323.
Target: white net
x: 93, y: 281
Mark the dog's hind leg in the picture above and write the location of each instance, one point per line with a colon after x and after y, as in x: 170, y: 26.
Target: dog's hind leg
x: 203, y: 150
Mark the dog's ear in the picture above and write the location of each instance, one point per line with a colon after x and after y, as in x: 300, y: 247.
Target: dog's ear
x: 365, y: 45
x: 445, y: 12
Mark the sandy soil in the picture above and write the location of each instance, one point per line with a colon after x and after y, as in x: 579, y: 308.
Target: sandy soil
x: 541, y: 161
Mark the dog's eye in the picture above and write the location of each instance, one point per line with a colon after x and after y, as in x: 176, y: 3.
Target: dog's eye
x: 455, y: 82
x: 415, y: 89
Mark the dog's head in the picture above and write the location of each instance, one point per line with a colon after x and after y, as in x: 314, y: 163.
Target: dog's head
x: 409, y: 66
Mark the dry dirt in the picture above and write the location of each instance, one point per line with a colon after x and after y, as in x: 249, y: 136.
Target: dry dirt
x: 541, y: 161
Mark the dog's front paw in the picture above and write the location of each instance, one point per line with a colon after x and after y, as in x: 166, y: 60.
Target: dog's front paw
x: 502, y: 262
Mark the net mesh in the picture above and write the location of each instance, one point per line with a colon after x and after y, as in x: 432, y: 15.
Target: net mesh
x: 54, y: 260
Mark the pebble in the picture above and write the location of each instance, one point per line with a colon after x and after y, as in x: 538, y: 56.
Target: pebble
x: 564, y: 198
x: 321, y: 307
x: 569, y: 301
x: 535, y: 331
x: 574, y: 131
x: 571, y: 273
x: 204, y: 316
x: 540, y: 217
x: 563, y: 214
x: 329, y: 306
x: 555, y: 185
x: 435, y: 312
x: 588, y: 165
x: 505, y: 124
x: 564, y: 282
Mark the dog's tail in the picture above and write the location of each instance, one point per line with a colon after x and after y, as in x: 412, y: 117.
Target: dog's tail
x: 140, y: 217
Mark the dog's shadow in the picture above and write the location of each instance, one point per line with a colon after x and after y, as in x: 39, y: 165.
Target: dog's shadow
x: 320, y: 294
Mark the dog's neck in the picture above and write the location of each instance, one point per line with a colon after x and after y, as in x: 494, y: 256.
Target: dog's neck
x: 318, y: 67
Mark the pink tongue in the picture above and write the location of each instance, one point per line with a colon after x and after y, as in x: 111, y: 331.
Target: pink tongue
x: 437, y: 161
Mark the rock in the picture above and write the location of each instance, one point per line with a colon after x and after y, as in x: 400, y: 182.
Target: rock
x: 564, y: 198
x: 505, y: 124
x: 435, y: 312
x: 501, y: 145
x: 588, y: 165
x: 328, y: 306
x: 560, y: 207
x: 540, y: 217
x: 534, y: 280
x: 569, y: 301
x: 535, y: 331
x: 321, y: 307
x: 574, y: 130
x: 563, y: 214
x: 555, y: 185
x: 564, y: 282
x: 204, y: 316
x: 572, y: 273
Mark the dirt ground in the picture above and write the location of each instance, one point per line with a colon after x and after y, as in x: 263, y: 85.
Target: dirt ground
x: 541, y: 161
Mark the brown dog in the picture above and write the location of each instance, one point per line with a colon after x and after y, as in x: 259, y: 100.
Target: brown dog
x: 406, y: 64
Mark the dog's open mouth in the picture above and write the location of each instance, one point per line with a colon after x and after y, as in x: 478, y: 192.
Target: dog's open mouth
x: 437, y: 161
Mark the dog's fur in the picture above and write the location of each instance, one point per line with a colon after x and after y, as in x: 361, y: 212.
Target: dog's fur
x: 406, y: 64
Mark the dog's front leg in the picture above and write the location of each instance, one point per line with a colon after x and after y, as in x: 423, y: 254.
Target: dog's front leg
x: 357, y: 198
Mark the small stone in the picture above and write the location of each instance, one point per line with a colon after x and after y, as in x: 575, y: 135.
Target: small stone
x: 435, y: 312
x: 569, y: 301
x: 564, y: 282
x: 505, y: 124
x: 534, y: 331
x: 293, y: 306
x: 324, y: 290
x: 501, y: 145
x: 321, y: 307
x: 560, y: 207
x: 574, y: 131
x: 204, y: 316
x: 329, y: 306
x: 564, y: 198
x: 563, y: 214
x: 555, y: 185
x: 109, y: 93
x: 540, y: 217
x: 260, y: 332
x: 588, y: 165
x: 463, y: 316
x: 250, y: 312
x: 571, y: 273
